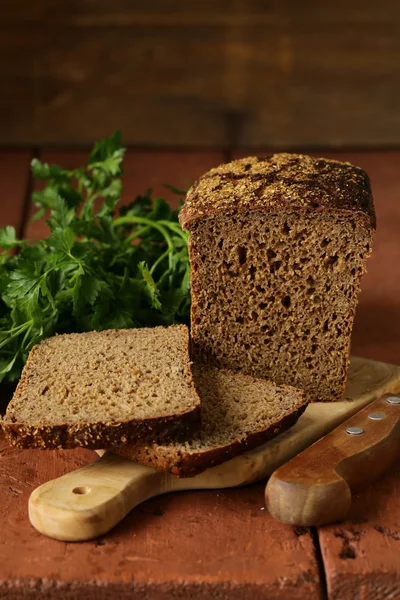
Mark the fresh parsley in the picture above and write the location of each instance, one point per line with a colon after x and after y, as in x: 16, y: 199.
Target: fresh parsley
x: 102, y: 265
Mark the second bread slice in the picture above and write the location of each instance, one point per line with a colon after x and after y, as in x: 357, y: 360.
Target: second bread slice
x: 238, y: 413
x: 97, y: 388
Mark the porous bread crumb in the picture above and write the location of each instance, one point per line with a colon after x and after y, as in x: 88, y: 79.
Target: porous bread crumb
x: 86, y: 389
x: 238, y: 413
x: 277, y: 250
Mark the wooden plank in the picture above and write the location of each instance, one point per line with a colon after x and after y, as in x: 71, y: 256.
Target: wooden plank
x: 376, y: 330
x: 233, y: 72
x: 14, y: 177
x: 361, y: 556
x: 144, y: 169
x: 202, y: 544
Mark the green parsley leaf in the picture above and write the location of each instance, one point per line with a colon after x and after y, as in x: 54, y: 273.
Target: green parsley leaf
x: 7, y: 238
x: 150, y: 287
x: 103, y: 265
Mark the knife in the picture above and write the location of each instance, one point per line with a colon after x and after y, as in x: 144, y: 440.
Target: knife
x: 315, y: 487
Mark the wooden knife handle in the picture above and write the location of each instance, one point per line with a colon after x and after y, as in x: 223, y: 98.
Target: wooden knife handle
x: 315, y: 487
x: 88, y: 502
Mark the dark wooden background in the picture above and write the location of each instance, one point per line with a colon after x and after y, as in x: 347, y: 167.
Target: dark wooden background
x: 237, y: 73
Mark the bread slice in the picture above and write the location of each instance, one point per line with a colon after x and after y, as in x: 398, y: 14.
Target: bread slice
x: 238, y: 413
x: 94, y: 389
x: 278, y: 246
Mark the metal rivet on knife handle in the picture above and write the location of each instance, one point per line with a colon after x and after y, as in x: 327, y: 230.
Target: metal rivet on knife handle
x: 355, y: 430
x: 393, y: 400
x: 376, y: 417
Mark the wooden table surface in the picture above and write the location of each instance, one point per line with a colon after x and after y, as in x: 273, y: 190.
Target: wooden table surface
x: 211, y: 544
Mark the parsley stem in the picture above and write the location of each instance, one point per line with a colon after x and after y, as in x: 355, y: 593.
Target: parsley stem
x: 17, y: 329
x: 159, y: 259
x: 176, y: 228
x: 137, y: 234
x: 16, y: 332
x: 156, y: 225
x: 27, y: 333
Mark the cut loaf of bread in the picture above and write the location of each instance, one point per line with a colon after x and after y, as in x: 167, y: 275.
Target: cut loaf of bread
x: 277, y: 249
x: 238, y: 413
x: 97, y: 388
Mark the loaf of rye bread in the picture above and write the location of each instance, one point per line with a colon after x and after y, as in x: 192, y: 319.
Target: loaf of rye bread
x: 238, y: 412
x: 277, y: 248
x: 99, y: 388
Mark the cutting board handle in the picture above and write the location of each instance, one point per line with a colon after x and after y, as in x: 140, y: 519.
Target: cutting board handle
x: 315, y: 487
x: 87, y: 503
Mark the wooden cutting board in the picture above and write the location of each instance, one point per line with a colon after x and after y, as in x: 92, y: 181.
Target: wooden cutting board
x: 88, y: 502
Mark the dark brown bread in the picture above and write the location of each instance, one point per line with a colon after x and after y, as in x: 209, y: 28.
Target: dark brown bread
x: 238, y: 413
x: 97, y: 388
x: 277, y: 249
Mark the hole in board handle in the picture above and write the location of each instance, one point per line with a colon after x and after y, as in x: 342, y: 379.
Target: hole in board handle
x: 81, y: 490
